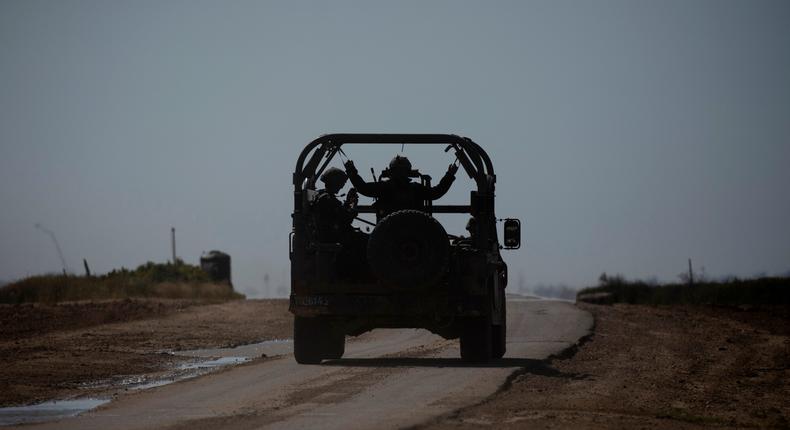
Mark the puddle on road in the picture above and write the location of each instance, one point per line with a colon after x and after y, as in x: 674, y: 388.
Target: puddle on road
x: 201, y: 362
x: 47, y: 411
x: 219, y: 362
x: 269, y: 348
x: 208, y: 360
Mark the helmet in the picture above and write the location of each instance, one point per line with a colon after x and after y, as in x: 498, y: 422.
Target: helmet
x: 334, y: 178
x: 400, y: 166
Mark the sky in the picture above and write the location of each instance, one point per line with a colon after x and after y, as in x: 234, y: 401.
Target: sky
x: 628, y: 136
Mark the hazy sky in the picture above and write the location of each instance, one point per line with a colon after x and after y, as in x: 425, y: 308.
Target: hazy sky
x: 628, y: 135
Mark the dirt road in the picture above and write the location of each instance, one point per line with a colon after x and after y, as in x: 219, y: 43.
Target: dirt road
x: 387, y: 379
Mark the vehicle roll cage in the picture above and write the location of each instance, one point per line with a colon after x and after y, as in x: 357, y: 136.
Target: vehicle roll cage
x: 472, y: 157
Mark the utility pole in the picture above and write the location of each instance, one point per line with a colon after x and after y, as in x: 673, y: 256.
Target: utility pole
x: 691, y: 274
x: 173, y: 242
x: 87, y: 269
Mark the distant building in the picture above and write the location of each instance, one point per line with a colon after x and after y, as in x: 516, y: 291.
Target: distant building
x: 217, y: 265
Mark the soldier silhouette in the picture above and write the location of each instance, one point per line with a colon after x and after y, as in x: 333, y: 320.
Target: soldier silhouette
x: 333, y: 220
x: 398, y: 192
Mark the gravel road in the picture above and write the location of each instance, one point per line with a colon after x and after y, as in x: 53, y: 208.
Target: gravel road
x: 387, y: 379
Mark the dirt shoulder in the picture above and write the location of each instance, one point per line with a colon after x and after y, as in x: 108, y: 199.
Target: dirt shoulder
x: 646, y: 367
x: 60, y: 351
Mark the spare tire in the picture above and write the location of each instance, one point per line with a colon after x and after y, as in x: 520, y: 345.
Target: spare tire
x: 408, y: 248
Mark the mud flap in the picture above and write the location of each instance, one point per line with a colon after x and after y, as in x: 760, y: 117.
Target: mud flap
x: 315, y: 339
x: 499, y: 319
x: 476, y: 339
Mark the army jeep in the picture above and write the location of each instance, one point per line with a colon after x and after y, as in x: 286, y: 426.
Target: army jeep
x: 415, y: 274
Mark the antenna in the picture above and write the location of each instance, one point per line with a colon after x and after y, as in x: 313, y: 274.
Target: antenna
x: 51, y: 235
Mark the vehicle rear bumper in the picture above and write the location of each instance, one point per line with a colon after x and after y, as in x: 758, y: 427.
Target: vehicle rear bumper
x: 350, y: 305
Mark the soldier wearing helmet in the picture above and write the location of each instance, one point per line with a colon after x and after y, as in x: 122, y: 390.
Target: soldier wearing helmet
x: 333, y: 218
x: 398, y: 191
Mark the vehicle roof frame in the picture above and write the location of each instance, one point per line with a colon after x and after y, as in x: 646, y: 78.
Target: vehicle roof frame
x: 474, y: 160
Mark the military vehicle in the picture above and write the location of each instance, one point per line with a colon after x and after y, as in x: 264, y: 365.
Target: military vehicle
x: 415, y: 275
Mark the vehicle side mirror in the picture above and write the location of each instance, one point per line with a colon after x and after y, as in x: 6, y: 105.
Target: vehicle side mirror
x: 512, y: 236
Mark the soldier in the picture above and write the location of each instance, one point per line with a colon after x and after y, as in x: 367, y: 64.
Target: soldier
x: 333, y: 224
x: 399, y: 192
x: 333, y: 218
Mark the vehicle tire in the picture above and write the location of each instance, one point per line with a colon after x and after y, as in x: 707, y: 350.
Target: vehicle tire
x: 309, y: 338
x: 476, y: 345
x: 499, y: 335
x: 408, y: 248
x: 336, y: 345
x: 498, y: 340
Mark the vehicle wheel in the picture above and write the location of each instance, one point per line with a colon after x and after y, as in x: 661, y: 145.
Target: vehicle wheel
x: 336, y: 345
x: 309, y: 337
x: 499, y: 336
x: 476, y: 345
x: 408, y: 248
x: 498, y: 340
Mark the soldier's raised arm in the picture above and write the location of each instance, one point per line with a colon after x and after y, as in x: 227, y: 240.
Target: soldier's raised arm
x: 443, y: 186
x: 369, y: 189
